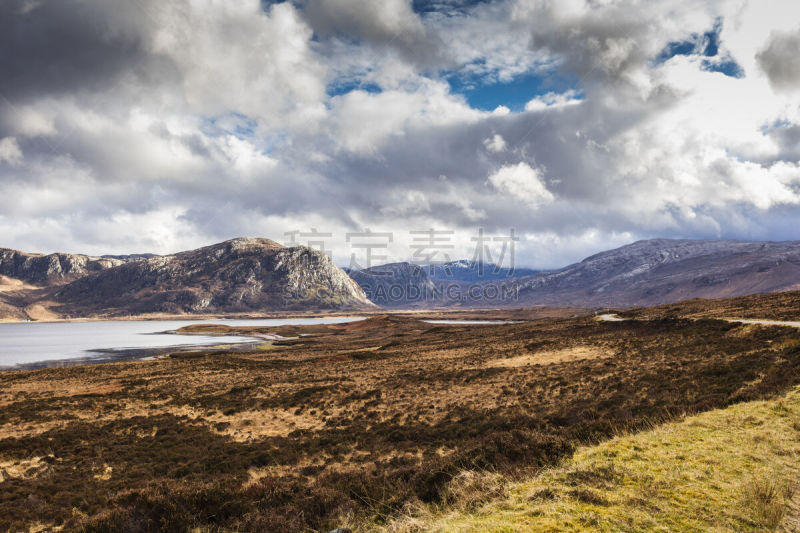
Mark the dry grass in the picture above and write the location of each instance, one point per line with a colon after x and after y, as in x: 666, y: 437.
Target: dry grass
x: 548, y: 357
x: 41, y: 311
x: 360, y: 420
x: 772, y: 306
x: 726, y: 470
x: 767, y: 496
x: 25, y: 468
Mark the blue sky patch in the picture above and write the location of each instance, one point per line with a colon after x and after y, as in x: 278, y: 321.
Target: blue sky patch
x: 444, y: 6
x: 236, y: 124
x: 488, y: 95
x: 727, y: 66
x: 344, y: 87
x: 705, y: 45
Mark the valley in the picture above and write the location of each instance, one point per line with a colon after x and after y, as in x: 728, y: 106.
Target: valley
x: 417, y: 415
x: 406, y: 266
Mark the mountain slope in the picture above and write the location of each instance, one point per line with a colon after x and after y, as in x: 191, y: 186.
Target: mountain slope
x: 474, y: 272
x: 664, y: 270
x: 246, y: 275
x: 233, y: 276
x: 395, y: 284
x: 53, y: 268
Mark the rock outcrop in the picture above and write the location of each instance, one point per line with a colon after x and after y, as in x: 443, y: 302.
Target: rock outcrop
x: 240, y: 275
x: 52, y: 268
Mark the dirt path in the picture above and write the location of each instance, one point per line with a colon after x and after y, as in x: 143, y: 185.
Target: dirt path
x: 765, y: 322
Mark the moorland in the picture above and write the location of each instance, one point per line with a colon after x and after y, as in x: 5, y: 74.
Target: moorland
x: 348, y: 425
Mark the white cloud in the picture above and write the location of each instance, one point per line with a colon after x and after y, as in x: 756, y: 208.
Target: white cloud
x: 523, y: 182
x: 495, y: 143
x: 552, y: 100
x: 215, y: 119
x: 10, y: 152
x: 379, y: 22
x: 235, y: 57
x: 780, y: 60
x: 361, y: 121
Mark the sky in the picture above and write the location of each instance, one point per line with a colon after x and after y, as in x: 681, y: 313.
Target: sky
x: 132, y: 126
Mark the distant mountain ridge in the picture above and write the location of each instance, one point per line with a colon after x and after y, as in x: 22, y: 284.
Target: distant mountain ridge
x: 662, y: 271
x: 411, y: 285
x: 395, y: 284
x: 474, y: 271
x: 260, y: 275
x: 643, y: 273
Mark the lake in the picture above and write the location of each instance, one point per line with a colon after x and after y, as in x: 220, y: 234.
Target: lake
x: 26, y: 343
x: 472, y: 322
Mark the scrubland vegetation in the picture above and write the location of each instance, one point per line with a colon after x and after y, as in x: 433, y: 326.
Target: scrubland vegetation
x: 392, y: 422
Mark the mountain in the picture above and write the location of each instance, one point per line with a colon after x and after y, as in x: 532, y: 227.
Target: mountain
x: 395, y: 284
x: 128, y: 257
x: 234, y: 276
x: 644, y: 273
x: 663, y: 271
x: 26, y: 279
x: 406, y: 284
x: 240, y: 275
x: 258, y: 275
x: 52, y: 268
x: 474, y: 272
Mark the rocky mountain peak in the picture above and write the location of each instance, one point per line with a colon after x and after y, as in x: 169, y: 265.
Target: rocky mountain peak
x: 239, y: 275
x: 53, y: 268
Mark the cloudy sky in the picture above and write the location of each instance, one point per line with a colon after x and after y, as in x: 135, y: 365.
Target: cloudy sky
x: 144, y: 125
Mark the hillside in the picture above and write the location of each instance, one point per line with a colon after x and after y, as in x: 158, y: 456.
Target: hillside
x: 395, y: 284
x: 663, y: 270
x: 233, y: 276
x: 240, y: 275
x: 246, y: 275
x: 646, y: 482
x: 52, y: 268
x: 644, y: 273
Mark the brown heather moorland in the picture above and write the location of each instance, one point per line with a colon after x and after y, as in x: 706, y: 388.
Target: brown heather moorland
x: 346, y: 424
x: 775, y: 306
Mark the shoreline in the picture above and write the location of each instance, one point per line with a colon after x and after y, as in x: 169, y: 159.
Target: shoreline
x: 531, y: 311
x: 108, y: 356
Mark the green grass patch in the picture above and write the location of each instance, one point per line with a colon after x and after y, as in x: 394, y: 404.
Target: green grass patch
x: 730, y: 469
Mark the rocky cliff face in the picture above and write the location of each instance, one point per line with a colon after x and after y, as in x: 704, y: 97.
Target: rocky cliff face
x: 52, y: 268
x: 664, y: 271
x: 395, y: 284
x: 234, y: 276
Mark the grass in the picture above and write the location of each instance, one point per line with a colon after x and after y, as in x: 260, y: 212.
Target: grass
x: 770, y: 306
x: 364, y: 419
x: 730, y: 469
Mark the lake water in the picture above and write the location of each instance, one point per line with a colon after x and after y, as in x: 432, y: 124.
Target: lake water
x: 471, y: 322
x: 25, y: 343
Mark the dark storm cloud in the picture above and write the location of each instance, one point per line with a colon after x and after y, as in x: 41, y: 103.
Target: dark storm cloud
x: 129, y: 123
x: 780, y: 60
x: 61, y: 46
